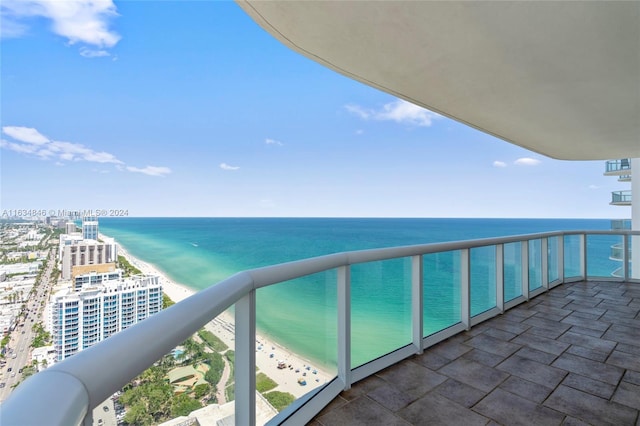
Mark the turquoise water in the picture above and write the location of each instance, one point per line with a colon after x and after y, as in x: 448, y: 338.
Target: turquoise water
x: 199, y: 252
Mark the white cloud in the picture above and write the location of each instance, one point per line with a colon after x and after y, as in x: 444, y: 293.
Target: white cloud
x: 91, y: 53
x: 21, y: 148
x: 25, y: 134
x: 594, y: 187
x: 499, y: 164
x: 400, y: 111
x: 225, y: 166
x: 273, y: 142
x: 150, y: 170
x: 359, y: 132
x: 78, y: 21
x: 30, y: 141
x: 526, y: 161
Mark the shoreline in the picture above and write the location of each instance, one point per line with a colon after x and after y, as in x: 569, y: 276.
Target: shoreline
x: 268, y: 352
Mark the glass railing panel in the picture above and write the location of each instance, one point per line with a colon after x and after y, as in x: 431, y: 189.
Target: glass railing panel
x: 553, y: 247
x: 483, y: 279
x: 512, y: 271
x: 599, y: 263
x: 572, y: 256
x: 441, y: 286
x: 380, y: 308
x: 296, y: 341
x: 617, y: 252
x: 633, y: 264
x: 535, y: 264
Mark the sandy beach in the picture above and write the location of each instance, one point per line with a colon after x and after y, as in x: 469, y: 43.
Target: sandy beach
x: 268, y: 353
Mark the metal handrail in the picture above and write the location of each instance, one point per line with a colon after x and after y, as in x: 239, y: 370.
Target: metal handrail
x: 621, y: 196
x: 66, y: 392
x: 617, y: 165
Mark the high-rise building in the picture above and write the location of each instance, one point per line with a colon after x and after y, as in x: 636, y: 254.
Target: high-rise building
x: 80, y: 256
x: 78, y: 320
x: 90, y: 228
x: 70, y: 227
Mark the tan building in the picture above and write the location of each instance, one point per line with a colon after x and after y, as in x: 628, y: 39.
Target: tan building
x: 85, y: 256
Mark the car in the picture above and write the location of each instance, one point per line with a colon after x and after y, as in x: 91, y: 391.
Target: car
x: 10, y: 368
x: 3, y: 384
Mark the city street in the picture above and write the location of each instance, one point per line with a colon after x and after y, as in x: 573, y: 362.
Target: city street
x: 19, y: 349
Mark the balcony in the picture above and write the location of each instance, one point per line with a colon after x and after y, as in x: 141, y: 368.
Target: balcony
x: 560, y: 341
x: 621, y: 198
x: 617, y: 167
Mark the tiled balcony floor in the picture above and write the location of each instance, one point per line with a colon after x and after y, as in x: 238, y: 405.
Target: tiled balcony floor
x: 567, y: 357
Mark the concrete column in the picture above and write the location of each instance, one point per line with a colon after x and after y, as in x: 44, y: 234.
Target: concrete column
x: 635, y: 217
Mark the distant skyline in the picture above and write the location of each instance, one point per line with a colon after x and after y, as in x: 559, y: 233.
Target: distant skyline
x: 167, y: 108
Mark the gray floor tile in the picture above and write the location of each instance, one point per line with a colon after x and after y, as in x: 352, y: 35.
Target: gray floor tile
x: 592, y: 369
x: 541, y: 343
x: 532, y: 371
x: 536, y: 355
x: 435, y: 409
x: 591, y: 354
x: 526, y: 389
x: 628, y: 394
x: 509, y: 409
x: 493, y: 345
x: 390, y: 398
x: 459, y: 392
x: 360, y: 412
x: 624, y: 360
x: 589, y: 408
x: 411, y: 378
x: 486, y: 358
x: 474, y: 374
x: 585, y: 384
x: 590, y: 342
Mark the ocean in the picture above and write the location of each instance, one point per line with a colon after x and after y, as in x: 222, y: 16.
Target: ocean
x: 300, y: 315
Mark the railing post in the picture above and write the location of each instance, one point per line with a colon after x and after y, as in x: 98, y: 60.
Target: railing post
x: 465, y: 288
x: 561, y: 258
x: 544, y: 257
x: 417, y: 302
x: 583, y: 256
x: 524, y: 250
x: 245, y: 371
x: 625, y: 256
x: 344, y: 325
x: 500, y: 277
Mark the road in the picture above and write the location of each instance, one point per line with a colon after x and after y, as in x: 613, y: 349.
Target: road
x: 22, y: 336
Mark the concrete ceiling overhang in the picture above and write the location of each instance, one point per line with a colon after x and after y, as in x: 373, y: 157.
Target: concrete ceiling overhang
x: 561, y: 78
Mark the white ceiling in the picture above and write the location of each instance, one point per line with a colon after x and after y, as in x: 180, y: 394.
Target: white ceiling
x: 561, y: 78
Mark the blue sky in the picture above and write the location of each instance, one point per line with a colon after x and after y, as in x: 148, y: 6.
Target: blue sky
x: 191, y: 109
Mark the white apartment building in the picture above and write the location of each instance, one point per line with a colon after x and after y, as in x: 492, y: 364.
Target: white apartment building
x: 93, y: 279
x: 78, y: 320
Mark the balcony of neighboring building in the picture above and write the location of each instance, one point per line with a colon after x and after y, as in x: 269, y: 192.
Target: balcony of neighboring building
x: 618, y: 167
x: 621, y: 198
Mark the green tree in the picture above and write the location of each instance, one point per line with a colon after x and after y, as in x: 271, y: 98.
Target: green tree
x: 216, y: 367
x: 137, y: 414
x: 201, y: 390
x: 182, y: 405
